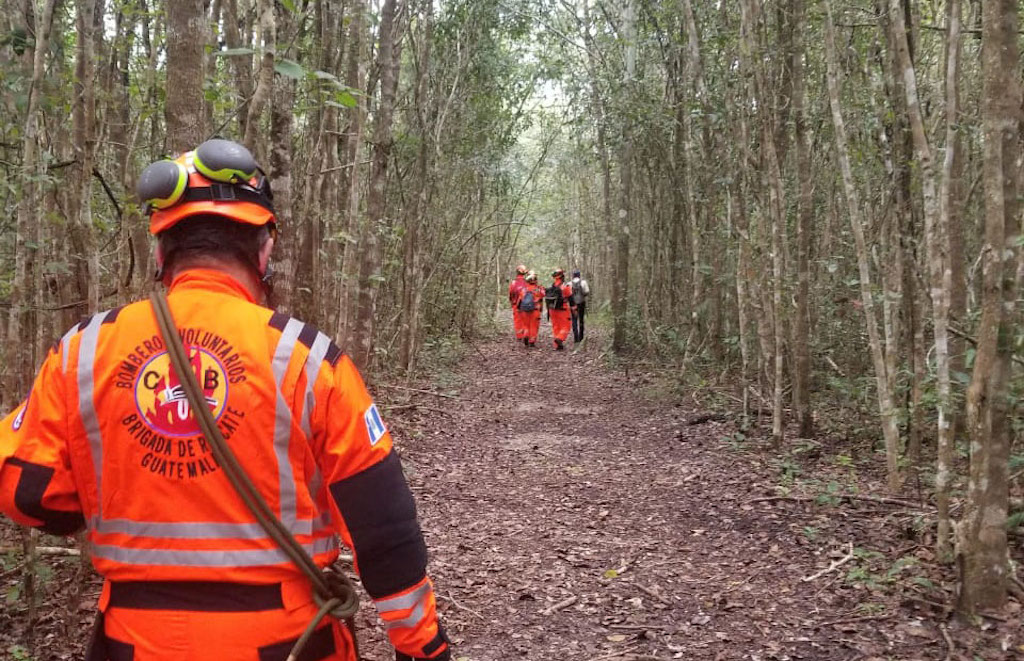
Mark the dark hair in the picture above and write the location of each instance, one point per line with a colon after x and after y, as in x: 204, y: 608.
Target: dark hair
x: 211, y: 236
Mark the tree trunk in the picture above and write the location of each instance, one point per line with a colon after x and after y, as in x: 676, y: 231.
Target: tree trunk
x: 30, y: 213
x: 282, y: 110
x: 186, y: 123
x: 412, y: 248
x: 268, y: 32
x: 388, y: 58
x: 805, y: 212
x: 983, y: 535
x: 936, y: 209
x: 352, y: 148
x: 242, y: 64
x: 886, y: 405
x: 620, y: 289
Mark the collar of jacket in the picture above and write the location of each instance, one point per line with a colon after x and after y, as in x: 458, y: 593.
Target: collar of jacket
x: 210, y: 280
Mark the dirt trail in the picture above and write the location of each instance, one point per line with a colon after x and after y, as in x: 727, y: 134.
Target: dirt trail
x: 570, y: 516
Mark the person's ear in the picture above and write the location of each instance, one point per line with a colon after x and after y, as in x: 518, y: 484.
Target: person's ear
x: 158, y: 257
x: 265, y: 250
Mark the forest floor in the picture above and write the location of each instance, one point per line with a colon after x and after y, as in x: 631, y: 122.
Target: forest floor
x: 579, y: 512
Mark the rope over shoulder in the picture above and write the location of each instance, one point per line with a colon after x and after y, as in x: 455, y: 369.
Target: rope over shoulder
x: 332, y: 590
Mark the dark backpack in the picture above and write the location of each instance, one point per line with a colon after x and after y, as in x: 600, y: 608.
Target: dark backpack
x: 577, y: 293
x: 554, y: 298
x: 527, y: 302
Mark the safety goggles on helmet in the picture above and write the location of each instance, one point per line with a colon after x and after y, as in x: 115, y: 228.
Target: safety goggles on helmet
x: 220, y: 177
x: 558, y: 273
x: 521, y: 269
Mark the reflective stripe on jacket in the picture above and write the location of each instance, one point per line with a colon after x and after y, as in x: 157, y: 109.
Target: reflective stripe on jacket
x: 106, y: 440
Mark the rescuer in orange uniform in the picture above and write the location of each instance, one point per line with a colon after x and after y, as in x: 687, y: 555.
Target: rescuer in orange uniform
x: 530, y: 303
x: 514, y: 288
x: 558, y: 298
x: 106, y: 440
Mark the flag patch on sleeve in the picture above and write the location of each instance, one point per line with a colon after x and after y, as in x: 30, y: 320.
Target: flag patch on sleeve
x: 375, y: 428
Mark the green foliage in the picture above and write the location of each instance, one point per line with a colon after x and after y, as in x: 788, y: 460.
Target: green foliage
x: 19, y: 653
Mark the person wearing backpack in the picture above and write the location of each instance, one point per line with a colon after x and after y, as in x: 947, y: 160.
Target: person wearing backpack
x: 580, y: 292
x: 558, y: 298
x: 528, y: 305
x: 514, y: 290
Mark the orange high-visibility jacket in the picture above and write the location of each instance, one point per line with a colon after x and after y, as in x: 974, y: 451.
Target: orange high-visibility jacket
x: 106, y: 440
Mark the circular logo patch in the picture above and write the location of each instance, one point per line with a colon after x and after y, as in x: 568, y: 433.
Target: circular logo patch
x: 161, y: 399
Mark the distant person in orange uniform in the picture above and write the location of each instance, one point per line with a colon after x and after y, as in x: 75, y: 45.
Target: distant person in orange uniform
x: 106, y: 441
x: 530, y: 304
x: 514, y: 288
x: 558, y: 298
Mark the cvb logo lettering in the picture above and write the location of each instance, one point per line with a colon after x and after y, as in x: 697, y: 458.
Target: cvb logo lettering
x: 161, y: 400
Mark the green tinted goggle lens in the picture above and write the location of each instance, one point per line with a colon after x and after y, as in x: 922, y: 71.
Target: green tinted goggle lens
x: 225, y: 161
x: 162, y: 184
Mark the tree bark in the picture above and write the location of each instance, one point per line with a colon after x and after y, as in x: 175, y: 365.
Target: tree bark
x: 805, y: 211
x: 620, y: 289
x: 185, y: 118
x: 886, y: 406
x: 268, y: 32
x: 937, y: 207
x: 17, y: 361
x: 983, y: 535
x: 388, y: 57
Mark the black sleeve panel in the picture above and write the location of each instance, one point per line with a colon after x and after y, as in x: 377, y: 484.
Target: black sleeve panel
x: 380, y: 514
x: 28, y: 497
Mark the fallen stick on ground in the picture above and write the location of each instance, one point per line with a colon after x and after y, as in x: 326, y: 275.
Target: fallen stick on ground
x: 949, y: 642
x: 616, y: 655
x: 450, y: 598
x: 835, y: 564
x: 420, y: 390
x: 565, y: 603
x: 845, y: 496
x: 44, y: 550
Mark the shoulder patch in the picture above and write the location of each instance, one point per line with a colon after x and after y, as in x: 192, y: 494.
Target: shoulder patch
x: 375, y: 428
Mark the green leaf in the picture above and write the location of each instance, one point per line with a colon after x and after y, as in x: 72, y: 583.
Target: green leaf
x: 611, y: 573
x: 346, y: 99
x: 325, y: 75
x: 289, y: 68
x: 922, y: 581
x: 232, y: 52
x: 289, y: 5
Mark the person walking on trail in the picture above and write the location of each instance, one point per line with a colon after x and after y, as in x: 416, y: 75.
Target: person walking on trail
x: 558, y: 298
x: 107, y: 440
x: 580, y: 292
x: 529, y: 305
x: 514, y: 289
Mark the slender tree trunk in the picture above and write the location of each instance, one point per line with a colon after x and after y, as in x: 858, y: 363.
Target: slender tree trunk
x: 620, y: 295
x: 412, y: 249
x: 241, y: 64
x: 282, y: 110
x: 352, y: 148
x: 805, y: 212
x: 18, y: 366
x: 186, y: 123
x: 937, y: 210
x: 265, y: 85
x: 886, y: 405
x: 388, y: 58
x: 983, y: 543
